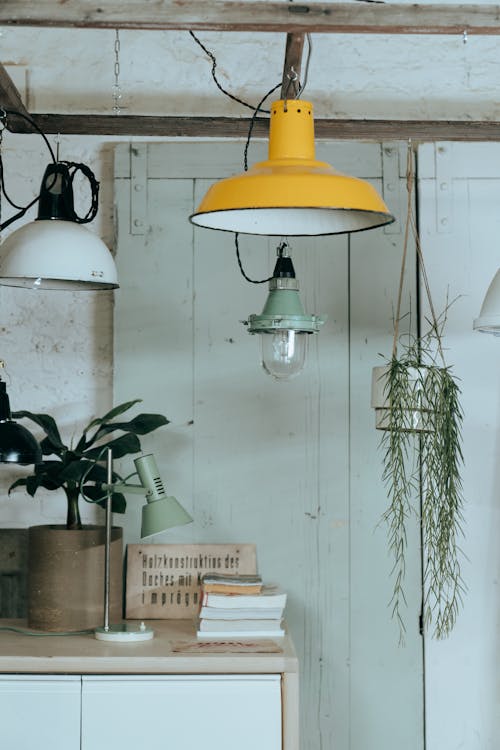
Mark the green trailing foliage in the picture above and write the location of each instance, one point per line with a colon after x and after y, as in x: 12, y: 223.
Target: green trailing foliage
x: 421, y: 470
x: 75, y: 469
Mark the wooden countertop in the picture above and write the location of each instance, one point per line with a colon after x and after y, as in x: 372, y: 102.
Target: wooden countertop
x: 83, y: 654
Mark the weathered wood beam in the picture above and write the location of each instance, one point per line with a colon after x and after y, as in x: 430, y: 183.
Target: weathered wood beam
x: 10, y: 98
x: 233, y: 127
x: 293, y: 63
x: 200, y: 15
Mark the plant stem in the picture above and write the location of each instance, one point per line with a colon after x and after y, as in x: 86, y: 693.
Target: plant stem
x: 73, y: 520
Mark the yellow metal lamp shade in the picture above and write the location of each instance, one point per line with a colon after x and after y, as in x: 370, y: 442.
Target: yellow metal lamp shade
x: 292, y: 194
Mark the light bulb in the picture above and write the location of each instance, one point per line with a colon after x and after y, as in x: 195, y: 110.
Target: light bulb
x: 283, y: 353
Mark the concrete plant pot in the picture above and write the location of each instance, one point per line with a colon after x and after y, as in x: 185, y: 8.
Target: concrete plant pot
x: 66, y: 577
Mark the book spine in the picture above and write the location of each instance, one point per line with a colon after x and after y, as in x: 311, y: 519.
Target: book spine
x: 224, y: 635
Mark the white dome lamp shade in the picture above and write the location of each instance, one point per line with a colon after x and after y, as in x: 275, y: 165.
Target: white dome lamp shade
x: 489, y: 317
x: 55, y: 251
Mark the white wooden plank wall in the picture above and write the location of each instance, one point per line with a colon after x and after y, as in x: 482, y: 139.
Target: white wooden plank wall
x: 292, y: 467
x: 459, y: 201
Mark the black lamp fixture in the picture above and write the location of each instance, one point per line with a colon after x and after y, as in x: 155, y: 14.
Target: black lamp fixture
x: 17, y: 444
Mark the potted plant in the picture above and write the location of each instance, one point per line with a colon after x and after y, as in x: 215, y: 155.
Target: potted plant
x: 417, y: 401
x: 65, y: 573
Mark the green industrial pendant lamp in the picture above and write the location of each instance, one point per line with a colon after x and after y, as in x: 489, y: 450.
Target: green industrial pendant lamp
x: 283, y: 324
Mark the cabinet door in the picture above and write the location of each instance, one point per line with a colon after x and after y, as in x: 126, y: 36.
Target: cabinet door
x: 182, y: 712
x: 40, y: 711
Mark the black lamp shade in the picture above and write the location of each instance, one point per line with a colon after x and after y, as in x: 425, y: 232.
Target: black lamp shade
x: 17, y: 444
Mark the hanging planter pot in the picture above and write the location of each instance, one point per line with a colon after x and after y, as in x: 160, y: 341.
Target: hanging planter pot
x: 405, y: 400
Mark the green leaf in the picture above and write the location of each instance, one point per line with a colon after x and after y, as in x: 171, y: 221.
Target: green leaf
x: 49, y: 474
x: 18, y: 483
x: 47, y: 423
x: 52, y: 468
x: 49, y: 449
x: 118, y: 502
x: 98, y: 495
x: 121, y: 446
x: 93, y: 493
x: 115, y: 412
x: 90, y: 471
x: 142, y: 424
x: 49, y: 484
x: 32, y: 484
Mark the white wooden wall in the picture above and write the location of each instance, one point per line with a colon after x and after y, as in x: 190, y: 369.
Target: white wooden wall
x: 293, y: 467
x: 460, y: 220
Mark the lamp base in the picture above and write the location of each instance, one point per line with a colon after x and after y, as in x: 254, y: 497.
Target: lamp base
x: 125, y: 633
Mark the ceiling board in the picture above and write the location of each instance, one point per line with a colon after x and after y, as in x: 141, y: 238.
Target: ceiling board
x: 344, y: 18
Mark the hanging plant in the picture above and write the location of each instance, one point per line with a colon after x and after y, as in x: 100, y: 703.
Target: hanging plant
x: 417, y: 401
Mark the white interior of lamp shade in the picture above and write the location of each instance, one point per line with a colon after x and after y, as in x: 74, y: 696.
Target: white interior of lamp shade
x: 54, y: 254
x: 54, y: 284
x: 489, y: 317
x: 291, y: 221
x: 488, y: 324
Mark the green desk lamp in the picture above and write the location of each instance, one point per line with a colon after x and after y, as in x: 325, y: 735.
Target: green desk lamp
x: 161, y: 512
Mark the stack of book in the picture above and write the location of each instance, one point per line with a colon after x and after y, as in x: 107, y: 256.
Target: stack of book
x: 240, y: 607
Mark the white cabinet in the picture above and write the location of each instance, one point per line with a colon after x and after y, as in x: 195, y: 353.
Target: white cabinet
x: 78, y: 693
x: 40, y: 712
x: 124, y: 712
x: 182, y: 712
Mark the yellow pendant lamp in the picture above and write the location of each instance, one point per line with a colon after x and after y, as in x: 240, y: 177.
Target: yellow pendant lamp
x: 292, y: 194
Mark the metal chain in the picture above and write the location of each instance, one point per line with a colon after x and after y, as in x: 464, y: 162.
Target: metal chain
x: 117, y: 90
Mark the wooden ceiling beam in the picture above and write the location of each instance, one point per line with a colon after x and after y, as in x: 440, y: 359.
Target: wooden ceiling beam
x: 251, y: 15
x: 10, y: 98
x: 233, y: 127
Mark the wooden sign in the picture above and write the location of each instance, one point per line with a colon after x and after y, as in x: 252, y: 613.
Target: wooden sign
x: 164, y: 580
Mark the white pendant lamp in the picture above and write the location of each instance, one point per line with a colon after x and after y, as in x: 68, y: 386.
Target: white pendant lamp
x: 292, y: 194
x: 489, y: 317
x: 55, y: 251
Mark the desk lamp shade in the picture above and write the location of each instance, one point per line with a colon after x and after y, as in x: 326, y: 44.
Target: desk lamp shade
x: 292, y: 194
x: 161, y: 511
x: 17, y: 444
x: 55, y: 251
x: 489, y: 317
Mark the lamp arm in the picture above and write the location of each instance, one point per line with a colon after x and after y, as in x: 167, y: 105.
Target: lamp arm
x: 134, y: 489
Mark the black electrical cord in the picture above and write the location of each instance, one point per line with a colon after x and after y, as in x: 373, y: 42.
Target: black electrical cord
x: 252, y: 123
x: 245, y: 165
x: 216, y: 80
x: 74, y: 168
x: 33, y: 124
